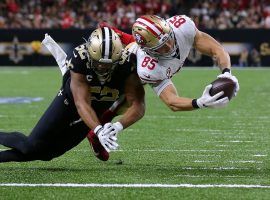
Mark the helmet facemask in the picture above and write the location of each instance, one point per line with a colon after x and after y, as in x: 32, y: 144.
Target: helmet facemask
x: 155, y: 36
x: 104, y: 52
x: 154, y: 51
x: 103, y: 69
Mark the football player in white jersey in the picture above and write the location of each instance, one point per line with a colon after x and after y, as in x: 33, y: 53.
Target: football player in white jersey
x: 161, y: 48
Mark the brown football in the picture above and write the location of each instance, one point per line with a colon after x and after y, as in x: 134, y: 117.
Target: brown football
x: 223, y: 84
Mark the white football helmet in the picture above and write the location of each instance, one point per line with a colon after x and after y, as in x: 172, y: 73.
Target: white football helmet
x: 151, y: 33
x: 105, y: 49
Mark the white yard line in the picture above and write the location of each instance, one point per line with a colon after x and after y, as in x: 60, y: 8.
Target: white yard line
x: 204, y: 161
x: 245, y: 161
x: 176, y: 150
x: 163, y: 150
x: 230, y: 161
x: 183, y: 150
x: 150, y: 117
x: 230, y: 141
x: 260, y: 155
x: 219, y: 168
x: 98, y: 185
x: 173, y: 150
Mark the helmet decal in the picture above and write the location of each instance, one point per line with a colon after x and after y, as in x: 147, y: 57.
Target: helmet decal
x: 151, y: 33
x: 150, y: 26
x: 104, y: 51
x: 139, y: 39
x: 106, y: 43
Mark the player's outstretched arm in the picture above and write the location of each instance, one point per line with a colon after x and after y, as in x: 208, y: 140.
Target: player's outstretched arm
x: 134, y: 93
x: 125, y: 37
x: 209, y: 46
x: 170, y: 97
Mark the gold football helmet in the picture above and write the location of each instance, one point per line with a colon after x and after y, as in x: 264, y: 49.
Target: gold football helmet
x: 105, y: 49
x: 152, y: 33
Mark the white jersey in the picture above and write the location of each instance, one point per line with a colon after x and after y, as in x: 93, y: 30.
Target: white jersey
x: 158, y: 72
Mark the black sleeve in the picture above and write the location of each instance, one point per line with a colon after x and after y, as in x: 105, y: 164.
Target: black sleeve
x: 133, y: 62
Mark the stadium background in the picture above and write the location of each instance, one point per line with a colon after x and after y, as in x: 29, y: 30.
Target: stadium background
x: 241, y: 26
x: 205, y: 154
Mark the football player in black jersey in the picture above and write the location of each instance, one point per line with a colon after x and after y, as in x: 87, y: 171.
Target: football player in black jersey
x: 94, y: 87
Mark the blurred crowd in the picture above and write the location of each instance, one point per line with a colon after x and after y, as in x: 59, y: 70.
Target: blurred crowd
x: 221, y: 14
x: 225, y: 14
x: 249, y: 58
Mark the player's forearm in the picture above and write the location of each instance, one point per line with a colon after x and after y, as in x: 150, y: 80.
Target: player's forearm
x: 223, y: 59
x: 133, y: 114
x: 209, y: 46
x: 170, y: 97
x: 179, y: 104
x: 88, y: 115
x: 125, y: 37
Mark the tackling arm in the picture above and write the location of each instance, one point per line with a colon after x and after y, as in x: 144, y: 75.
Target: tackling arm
x: 125, y: 37
x: 134, y: 93
x: 81, y: 95
x: 209, y: 46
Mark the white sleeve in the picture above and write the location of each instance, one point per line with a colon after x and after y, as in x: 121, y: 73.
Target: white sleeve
x: 189, y: 30
x: 57, y: 52
x: 158, y: 88
x: 186, y: 30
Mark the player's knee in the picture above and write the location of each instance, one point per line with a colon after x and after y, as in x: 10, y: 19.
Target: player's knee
x: 49, y: 155
x: 33, y: 148
x: 44, y: 156
x: 27, y: 148
x: 47, y: 158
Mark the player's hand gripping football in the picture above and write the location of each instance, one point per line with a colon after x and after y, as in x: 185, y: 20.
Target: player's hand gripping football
x: 233, y: 78
x: 206, y: 100
x: 107, y: 140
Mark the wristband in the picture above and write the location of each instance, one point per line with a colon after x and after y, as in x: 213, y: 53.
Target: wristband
x: 194, y: 104
x: 226, y: 70
x: 97, y: 129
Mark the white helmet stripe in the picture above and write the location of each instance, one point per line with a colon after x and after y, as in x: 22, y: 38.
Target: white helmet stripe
x: 151, y: 26
x: 107, y: 43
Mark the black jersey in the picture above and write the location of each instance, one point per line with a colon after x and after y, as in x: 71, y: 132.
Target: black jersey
x: 103, y: 95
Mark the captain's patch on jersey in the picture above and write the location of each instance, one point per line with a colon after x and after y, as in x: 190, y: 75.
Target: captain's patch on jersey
x: 17, y: 100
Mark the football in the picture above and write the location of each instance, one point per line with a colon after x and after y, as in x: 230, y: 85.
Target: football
x: 223, y: 84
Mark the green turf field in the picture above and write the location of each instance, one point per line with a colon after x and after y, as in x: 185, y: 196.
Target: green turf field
x: 219, y: 153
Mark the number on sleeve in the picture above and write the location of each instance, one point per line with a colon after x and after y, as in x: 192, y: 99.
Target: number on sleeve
x: 177, y: 21
x: 82, y: 51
